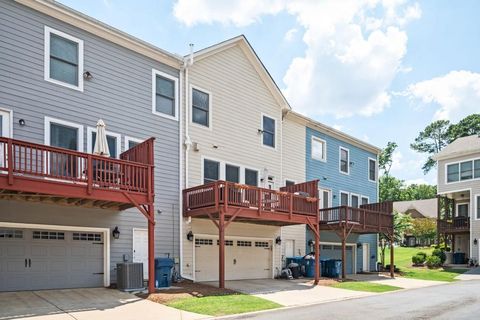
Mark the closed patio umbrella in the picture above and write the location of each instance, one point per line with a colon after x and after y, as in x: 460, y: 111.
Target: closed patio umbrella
x: 101, y: 144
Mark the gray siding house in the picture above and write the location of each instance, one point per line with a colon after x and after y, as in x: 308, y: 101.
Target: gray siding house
x: 60, y: 72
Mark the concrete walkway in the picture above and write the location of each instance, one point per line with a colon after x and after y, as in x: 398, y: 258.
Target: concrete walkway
x: 472, y: 274
x: 95, y: 303
x: 405, y: 283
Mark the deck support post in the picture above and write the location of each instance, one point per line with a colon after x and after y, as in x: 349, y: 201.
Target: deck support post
x: 392, y: 255
x: 221, y: 250
x: 317, y: 253
x: 344, y: 249
x: 151, y: 249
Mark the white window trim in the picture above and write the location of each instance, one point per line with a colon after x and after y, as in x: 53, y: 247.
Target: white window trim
x: 49, y: 121
x: 324, y: 159
x: 210, y: 124
x: 376, y: 169
x: 128, y: 139
x: 340, y: 160
x: 261, y: 135
x: 359, y: 199
x: 459, y: 172
x: 364, y: 197
x: 476, y: 205
x: 340, y: 197
x: 156, y: 73
x: 49, y: 31
x: 90, y: 143
x: 461, y: 204
x: 330, y: 200
x: 10, y: 121
x: 222, y: 164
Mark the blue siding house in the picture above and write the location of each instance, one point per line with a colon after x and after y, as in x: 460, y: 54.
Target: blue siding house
x: 347, y: 171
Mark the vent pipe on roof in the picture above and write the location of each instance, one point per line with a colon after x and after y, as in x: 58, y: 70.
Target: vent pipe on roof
x: 190, y: 62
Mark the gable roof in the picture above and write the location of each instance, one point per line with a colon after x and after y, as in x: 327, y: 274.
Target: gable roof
x: 252, y: 56
x: 460, y: 147
x: 427, y: 207
x: 333, y: 132
x: 66, y: 14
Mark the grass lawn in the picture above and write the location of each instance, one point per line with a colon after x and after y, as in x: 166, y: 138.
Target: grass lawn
x: 365, y: 286
x: 403, y: 261
x: 223, y: 305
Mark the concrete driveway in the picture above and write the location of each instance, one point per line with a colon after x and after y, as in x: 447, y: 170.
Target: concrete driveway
x: 291, y: 292
x: 94, y: 303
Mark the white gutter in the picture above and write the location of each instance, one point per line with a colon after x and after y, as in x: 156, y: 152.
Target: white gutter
x: 184, y: 178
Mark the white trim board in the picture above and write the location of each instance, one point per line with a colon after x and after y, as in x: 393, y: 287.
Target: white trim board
x: 210, y: 108
x: 340, y: 148
x: 49, y: 120
x: 106, y: 240
x: 275, y: 141
x: 9, y: 121
x: 324, y: 148
x: 156, y: 73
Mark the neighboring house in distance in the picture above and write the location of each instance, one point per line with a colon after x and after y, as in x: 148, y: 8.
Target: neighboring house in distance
x: 47, y: 98
x: 458, y: 185
x: 417, y: 209
x: 347, y: 171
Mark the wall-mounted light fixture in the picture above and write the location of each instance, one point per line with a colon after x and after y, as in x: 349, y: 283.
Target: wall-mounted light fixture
x: 359, y: 245
x: 352, y: 163
x: 116, y: 233
x: 475, y: 241
x: 278, y: 240
x: 190, y: 236
x: 87, y: 75
x: 21, y: 122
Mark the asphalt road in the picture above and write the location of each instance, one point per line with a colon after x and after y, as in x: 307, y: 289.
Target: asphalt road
x: 459, y: 300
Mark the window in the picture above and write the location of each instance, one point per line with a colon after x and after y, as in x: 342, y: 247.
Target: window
x: 48, y: 235
x: 211, y: 171
x: 244, y: 243
x: 354, y: 201
x: 113, y: 141
x: 77, y: 236
x: 200, y: 107
x: 477, y: 200
x: 228, y: 243
x: 251, y: 177
x: 261, y: 244
x: 344, y: 160
x: 466, y: 170
x: 232, y: 173
x: 11, y: 234
x: 476, y: 171
x: 319, y: 150
x: 268, y: 130
x: 207, y: 242
x: 164, y: 92
x: 63, y: 59
x: 325, y: 201
x: 289, y: 183
x: 372, y: 169
x: 462, y: 210
x: 364, y: 200
x: 343, y: 199
x: 453, y: 172
x: 131, y: 142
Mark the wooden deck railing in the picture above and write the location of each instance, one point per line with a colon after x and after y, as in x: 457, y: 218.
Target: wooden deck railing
x: 457, y: 224
x: 36, y: 161
x: 363, y: 217
x: 239, y: 195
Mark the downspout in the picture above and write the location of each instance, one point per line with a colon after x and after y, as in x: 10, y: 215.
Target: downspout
x: 187, y: 62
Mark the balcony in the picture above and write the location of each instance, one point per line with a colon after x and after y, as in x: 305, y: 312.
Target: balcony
x: 454, y: 226
x: 35, y: 172
x: 250, y: 204
x: 357, y: 220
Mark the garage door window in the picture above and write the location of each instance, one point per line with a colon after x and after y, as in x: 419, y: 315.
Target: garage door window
x: 77, y: 236
x: 261, y: 244
x: 228, y: 243
x: 11, y: 234
x: 208, y: 242
x: 244, y: 243
x: 48, y: 235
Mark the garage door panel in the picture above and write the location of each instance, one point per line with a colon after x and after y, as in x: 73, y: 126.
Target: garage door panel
x: 15, y: 250
x: 39, y: 250
x: 13, y: 265
x: 58, y: 251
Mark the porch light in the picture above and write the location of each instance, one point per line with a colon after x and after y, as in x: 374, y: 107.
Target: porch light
x: 359, y: 245
x: 278, y: 240
x: 190, y: 236
x: 21, y: 122
x: 116, y: 233
x: 475, y: 241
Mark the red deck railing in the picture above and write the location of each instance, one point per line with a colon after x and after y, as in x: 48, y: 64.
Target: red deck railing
x: 36, y: 161
x: 249, y: 197
x: 365, y: 218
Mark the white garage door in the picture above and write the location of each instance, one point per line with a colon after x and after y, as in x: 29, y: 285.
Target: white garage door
x: 47, y: 259
x: 244, y: 259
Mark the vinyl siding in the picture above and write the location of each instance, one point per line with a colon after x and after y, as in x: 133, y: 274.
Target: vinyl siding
x: 471, y: 188
x: 239, y: 97
x: 119, y: 93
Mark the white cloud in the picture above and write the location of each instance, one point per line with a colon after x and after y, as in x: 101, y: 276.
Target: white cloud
x: 290, y: 34
x: 455, y: 94
x: 354, y: 48
x: 338, y: 127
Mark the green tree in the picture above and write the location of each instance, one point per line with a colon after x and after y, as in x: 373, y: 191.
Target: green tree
x: 418, y: 192
x: 401, y: 223
x: 424, y: 229
x: 390, y: 188
x: 468, y: 126
x: 385, y: 160
x: 432, y: 140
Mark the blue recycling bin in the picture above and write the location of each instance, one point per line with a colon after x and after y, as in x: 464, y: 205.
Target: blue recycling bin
x: 333, y: 268
x: 459, y: 258
x: 323, y: 268
x: 163, y: 272
x: 309, y: 267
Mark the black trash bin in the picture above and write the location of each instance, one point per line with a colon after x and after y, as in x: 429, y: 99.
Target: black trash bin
x: 295, y: 269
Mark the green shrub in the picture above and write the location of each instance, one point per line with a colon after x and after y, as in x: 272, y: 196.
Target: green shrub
x: 440, y: 254
x: 433, y: 262
x: 423, y: 254
x: 418, y: 259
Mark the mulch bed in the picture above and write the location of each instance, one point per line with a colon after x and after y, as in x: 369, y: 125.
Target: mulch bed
x: 185, y: 289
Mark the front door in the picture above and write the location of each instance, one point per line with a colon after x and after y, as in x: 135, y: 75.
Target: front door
x: 289, y: 248
x: 325, y: 198
x: 140, y: 249
x: 366, y: 257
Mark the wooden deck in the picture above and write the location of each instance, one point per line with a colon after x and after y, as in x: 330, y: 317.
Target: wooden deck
x: 457, y: 225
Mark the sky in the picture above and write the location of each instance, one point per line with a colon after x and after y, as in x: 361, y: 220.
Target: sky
x: 380, y: 70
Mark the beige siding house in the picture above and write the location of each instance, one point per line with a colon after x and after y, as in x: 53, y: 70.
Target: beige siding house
x: 232, y: 129
x: 459, y: 188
